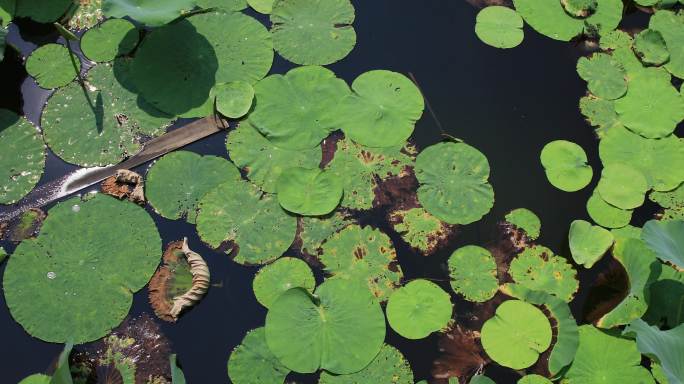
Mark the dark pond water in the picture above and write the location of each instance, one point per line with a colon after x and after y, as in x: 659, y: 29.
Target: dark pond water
x: 507, y: 103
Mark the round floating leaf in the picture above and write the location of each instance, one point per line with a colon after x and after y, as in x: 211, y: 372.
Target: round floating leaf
x: 588, y: 243
x: 283, y: 274
x: 601, y: 114
x: 113, y: 38
x: 309, y: 192
x: 86, y: 263
x: 421, y: 230
x: 419, y: 308
x: 604, y: 75
x: 261, y: 6
x: 383, y: 109
x: 52, y: 66
x: 297, y: 110
x: 389, y: 366
x: 234, y: 100
x: 666, y: 239
x: 525, y: 220
x: 565, y: 164
x: 672, y: 202
x: 622, y: 186
x: 607, y: 215
x: 665, y: 346
x: 22, y: 157
x: 650, y: 46
x: 314, y: 230
x: 226, y: 5
x: 252, y: 224
x: 500, y: 27
x: 454, y: 182
x: 315, y: 32
x: 671, y: 27
x: 538, y: 269
x: 534, y: 379
x: 149, y: 12
x: 42, y: 11
x: 252, y: 362
x: 177, y: 181
x: 516, y: 335
x: 481, y: 379
x: 262, y: 160
x: 340, y: 329
x: 473, y: 273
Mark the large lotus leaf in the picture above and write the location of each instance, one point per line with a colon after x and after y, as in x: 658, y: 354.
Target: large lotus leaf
x: 538, y: 269
x: 517, y: 334
x: 177, y: 181
x: 383, y: 109
x: 419, y: 308
x: 666, y: 346
x: 420, y: 229
x: 42, y: 11
x: 454, y: 182
x: 285, y: 273
x: 666, y: 301
x: 526, y: 220
x: 340, y: 329
x: 565, y: 164
x: 650, y: 46
x: 656, y: 159
x: 313, y: 32
x: 473, y: 273
x: 604, y: 75
x: 252, y: 362
x: 233, y: 99
x: 113, y: 38
x: 101, y: 123
x: 671, y: 27
x: 314, y: 230
x: 226, y: 5
x: 672, y: 202
x: 152, y: 13
x: 601, y: 114
x: 262, y: 6
x: 666, y: 239
x: 298, y: 110
x: 534, y: 379
x: 257, y: 229
x: 309, y: 192
x: 36, y: 378
x: 605, y: 359
x: 607, y: 215
x: 500, y: 27
x: 388, y: 367
x: 588, y: 243
x: 622, y: 186
x: 52, y: 66
x: 363, y: 254
x: 86, y: 263
x: 22, y: 157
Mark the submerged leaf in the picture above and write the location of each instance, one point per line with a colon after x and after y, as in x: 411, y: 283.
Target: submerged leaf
x: 419, y: 308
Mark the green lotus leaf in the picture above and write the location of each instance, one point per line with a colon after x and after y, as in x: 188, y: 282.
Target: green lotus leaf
x: 22, y: 158
x: 526, y: 220
x: 42, y: 11
x: 517, y: 334
x: 454, y: 182
x: 473, y: 273
x: 283, y: 274
x: 226, y: 5
x: 298, y: 110
x: 86, y: 15
x: 262, y: 6
x: 650, y: 46
x: 604, y: 75
x: 647, y: 3
x: 3, y: 254
x: 149, y: 12
x: 62, y: 373
x: 666, y: 239
x: 177, y: 181
x: 113, y: 38
x: 341, y: 328
x: 622, y: 186
x: 3, y: 35
x: 579, y: 8
x: 421, y: 230
x: 500, y: 27
x: 419, y: 308
x: 534, y: 379
x: 538, y: 269
x: 389, y: 367
x: 382, y: 111
x: 671, y: 27
x: 52, y: 66
x: 102, y: 123
x: 316, y: 32
x: 86, y: 263
x: 177, y: 376
x: 7, y: 10
x: 588, y: 243
x: 672, y: 202
x: 363, y: 254
x: 234, y: 99
x: 657, y: 372
x: 607, y: 215
x: 262, y: 160
x: 601, y: 114
x: 309, y: 192
x: 315, y: 230
x: 565, y: 164
x: 36, y: 378
x: 666, y: 301
x: 666, y: 346
x: 252, y: 362
x: 603, y: 358
x: 478, y: 379
x: 252, y: 223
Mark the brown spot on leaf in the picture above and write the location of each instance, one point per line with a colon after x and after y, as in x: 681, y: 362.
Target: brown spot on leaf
x: 360, y: 253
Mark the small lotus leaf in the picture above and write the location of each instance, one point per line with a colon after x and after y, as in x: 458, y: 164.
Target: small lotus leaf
x: 538, y: 269
x: 149, y: 12
x: 52, y: 66
x: 622, y: 186
x: 473, y: 273
x: 666, y: 304
x: 113, y: 38
x: 671, y: 27
x: 650, y: 46
x: 607, y: 215
x: 534, y: 379
x: 565, y: 164
x: 262, y: 6
x: 601, y: 114
x: 588, y: 243
x: 252, y: 362
x: 666, y: 346
x: 389, y: 367
x: 315, y: 230
x: 234, y: 99
x: 525, y: 220
x: 477, y: 379
x: 672, y: 202
x: 500, y: 27
x: 86, y: 15
x: 36, y: 378
x: 421, y: 230
x: 419, y: 308
x: 604, y: 75
x: 309, y: 192
x: 42, y: 11
x: 283, y: 274
x: 666, y: 239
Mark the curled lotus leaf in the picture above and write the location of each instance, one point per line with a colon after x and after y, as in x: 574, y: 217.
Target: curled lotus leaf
x: 419, y: 308
x: 601, y: 114
x: 538, y: 269
x: 604, y: 75
x: 252, y: 362
x: 285, y: 273
x: 607, y: 215
x: 565, y: 164
x: 666, y: 303
x: 666, y: 346
x: 87, y: 264
x: 313, y: 230
x: 262, y: 6
x: 666, y: 239
x: 109, y: 40
x: 534, y: 379
x: 500, y: 27
x: 148, y: 12
x: 454, y: 182
x: 389, y: 367
x: 421, y: 230
x: 672, y: 202
x: 317, y: 32
x: 309, y: 192
x: 525, y: 220
x: 341, y: 328
x: 650, y: 46
x: 473, y: 273
x: 517, y: 334
x: 588, y: 243
x: 52, y: 66
x: 622, y: 186
x: 671, y: 27
x: 234, y: 99
x: 42, y: 11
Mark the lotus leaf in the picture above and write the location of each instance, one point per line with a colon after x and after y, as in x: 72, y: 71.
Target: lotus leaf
x: 52, y: 66
x: 261, y: 6
x: 113, y: 38
x: 389, y: 367
x: 650, y: 46
x: 419, y: 308
x: 309, y: 192
x: 579, y: 8
x: 252, y: 224
x: 526, y: 220
x: 600, y: 114
x: 341, y: 328
x: 420, y: 230
x: 42, y: 11
x: 283, y: 274
x: 473, y: 273
x: 478, y: 379
x: 517, y: 334
x: 666, y: 346
x: 588, y: 243
x: 363, y: 254
x: 86, y: 15
x: 534, y: 379
x: 666, y: 301
x: 604, y: 75
x: 102, y: 123
x: 234, y: 99
x: 317, y: 32
x: 22, y: 158
x: 647, y: 3
x: 149, y: 12
x: 314, y: 230
x: 672, y: 201
x: 603, y: 358
x: 500, y: 27
x: 298, y: 110
x: 666, y: 239
x: 226, y: 5
x: 454, y: 186
x: 565, y: 164
x: 177, y: 181
x: 252, y: 362
x: 607, y: 215
x: 27, y: 225
x: 622, y: 186
x: 671, y: 27
x: 37, y: 378
x: 84, y: 272
x: 657, y: 372
x: 538, y: 269
x: 177, y: 376
x: 62, y: 373
x: 3, y: 35
x: 3, y: 254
